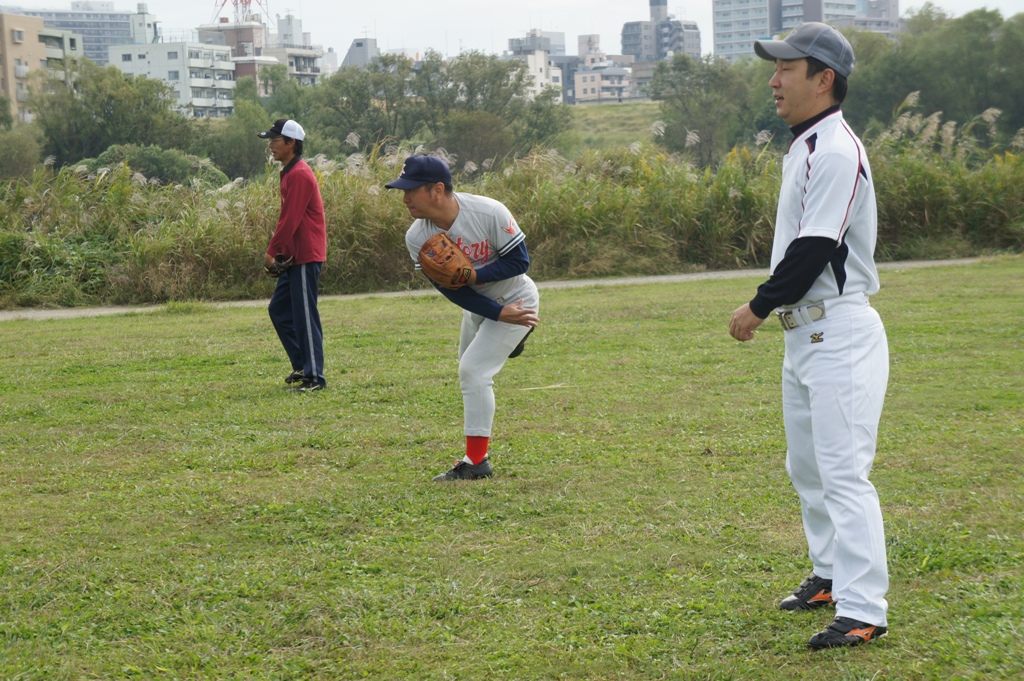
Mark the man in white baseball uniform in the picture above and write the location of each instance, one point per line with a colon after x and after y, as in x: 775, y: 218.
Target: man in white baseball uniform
x: 836, y: 363
x: 499, y: 306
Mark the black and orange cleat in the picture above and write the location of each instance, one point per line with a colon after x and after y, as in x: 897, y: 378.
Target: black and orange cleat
x: 813, y: 593
x: 844, y: 632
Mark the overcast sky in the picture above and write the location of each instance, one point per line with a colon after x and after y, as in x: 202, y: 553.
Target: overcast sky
x: 451, y: 26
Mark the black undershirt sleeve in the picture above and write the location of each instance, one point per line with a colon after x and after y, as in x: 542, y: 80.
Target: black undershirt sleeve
x: 805, y: 260
x: 512, y: 264
x: 468, y: 299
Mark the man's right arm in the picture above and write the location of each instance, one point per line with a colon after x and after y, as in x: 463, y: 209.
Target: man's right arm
x: 805, y: 260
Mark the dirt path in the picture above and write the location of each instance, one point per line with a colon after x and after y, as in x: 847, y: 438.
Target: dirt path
x: 71, y: 312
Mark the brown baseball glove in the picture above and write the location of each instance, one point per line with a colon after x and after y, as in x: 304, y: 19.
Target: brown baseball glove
x: 444, y: 262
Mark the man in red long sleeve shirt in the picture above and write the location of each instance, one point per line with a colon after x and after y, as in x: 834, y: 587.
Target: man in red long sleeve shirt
x: 301, y: 235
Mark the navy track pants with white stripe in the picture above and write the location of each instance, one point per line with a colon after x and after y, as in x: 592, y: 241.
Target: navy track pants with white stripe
x: 293, y: 311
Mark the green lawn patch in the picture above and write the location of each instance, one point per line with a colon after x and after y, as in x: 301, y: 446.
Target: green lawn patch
x: 171, y: 511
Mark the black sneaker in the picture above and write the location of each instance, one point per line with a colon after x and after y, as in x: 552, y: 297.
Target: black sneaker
x: 518, y: 350
x: 308, y: 385
x: 295, y: 377
x: 466, y: 471
x: 845, y: 632
x: 814, y: 592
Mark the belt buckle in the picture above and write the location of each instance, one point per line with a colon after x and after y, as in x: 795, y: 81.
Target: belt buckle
x: 786, y: 319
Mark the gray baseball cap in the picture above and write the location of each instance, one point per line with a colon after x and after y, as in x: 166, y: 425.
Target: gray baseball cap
x: 811, y: 39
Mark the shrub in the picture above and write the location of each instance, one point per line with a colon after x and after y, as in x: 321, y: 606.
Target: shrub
x: 168, y: 166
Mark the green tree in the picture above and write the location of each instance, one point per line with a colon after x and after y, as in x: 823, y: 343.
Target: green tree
x: 1009, y: 57
x: 272, y: 77
x: 701, y: 103
x: 290, y: 100
x: 542, y: 119
x: 232, y: 144
x: 960, y: 66
x: 434, y: 86
x: 94, y: 107
x: 247, y: 90
x: 21, y: 151
x: 6, y: 117
x: 476, y: 106
x: 373, y: 103
x: 475, y: 136
x: 486, y: 82
x: 759, y: 121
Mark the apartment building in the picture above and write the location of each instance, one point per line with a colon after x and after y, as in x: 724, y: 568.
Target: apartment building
x: 661, y: 36
x: 247, y: 39
x: 738, y: 23
x: 202, y: 76
x: 291, y: 46
x: 26, y: 47
x: 99, y: 24
x: 602, y: 84
x: 535, y: 50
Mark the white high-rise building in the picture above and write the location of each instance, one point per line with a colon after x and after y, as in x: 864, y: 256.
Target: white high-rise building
x: 201, y: 75
x: 738, y: 23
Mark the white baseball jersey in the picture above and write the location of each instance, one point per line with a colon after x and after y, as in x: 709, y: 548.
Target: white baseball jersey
x: 826, y: 188
x: 484, y: 230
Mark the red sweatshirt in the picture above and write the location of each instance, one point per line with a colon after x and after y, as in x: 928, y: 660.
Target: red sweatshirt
x: 301, y: 228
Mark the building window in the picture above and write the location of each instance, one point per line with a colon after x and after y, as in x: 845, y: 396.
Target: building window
x: 126, y: 57
x: 74, y: 44
x: 142, y: 56
x: 194, y: 54
x: 17, y: 35
x: 172, y: 75
x: 172, y: 55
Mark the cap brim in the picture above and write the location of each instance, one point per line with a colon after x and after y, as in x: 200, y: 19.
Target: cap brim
x: 266, y: 134
x: 777, y: 49
x: 402, y: 183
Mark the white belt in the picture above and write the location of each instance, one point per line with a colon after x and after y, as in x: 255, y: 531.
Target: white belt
x: 812, y: 312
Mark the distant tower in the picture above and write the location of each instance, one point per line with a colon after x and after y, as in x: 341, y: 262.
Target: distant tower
x: 659, y: 10
x: 243, y: 9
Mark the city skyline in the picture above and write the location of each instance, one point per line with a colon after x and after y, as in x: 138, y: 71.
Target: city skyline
x: 454, y: 26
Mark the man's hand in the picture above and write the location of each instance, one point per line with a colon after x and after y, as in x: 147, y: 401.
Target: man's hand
x: 277, y: 265
x: 743, y: 323
x: 515, y: 314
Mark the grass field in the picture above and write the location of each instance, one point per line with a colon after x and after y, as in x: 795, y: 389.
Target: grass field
x: 604, y: 126
x: 171, y: 511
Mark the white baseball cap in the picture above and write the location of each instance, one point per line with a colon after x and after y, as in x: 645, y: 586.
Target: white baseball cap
x: 284, y: 127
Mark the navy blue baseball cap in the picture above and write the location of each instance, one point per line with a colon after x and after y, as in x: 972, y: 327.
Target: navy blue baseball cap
x: 811, y: 39
x: 421, y: 170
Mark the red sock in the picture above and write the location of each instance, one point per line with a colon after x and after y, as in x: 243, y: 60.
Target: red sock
x: 476, y: 448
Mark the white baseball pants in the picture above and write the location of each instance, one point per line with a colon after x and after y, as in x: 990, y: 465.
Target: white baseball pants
x: 484, y: 346
x: 834, y: 379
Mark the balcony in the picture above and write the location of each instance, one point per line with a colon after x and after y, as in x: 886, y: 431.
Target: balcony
x: 21, y: 71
